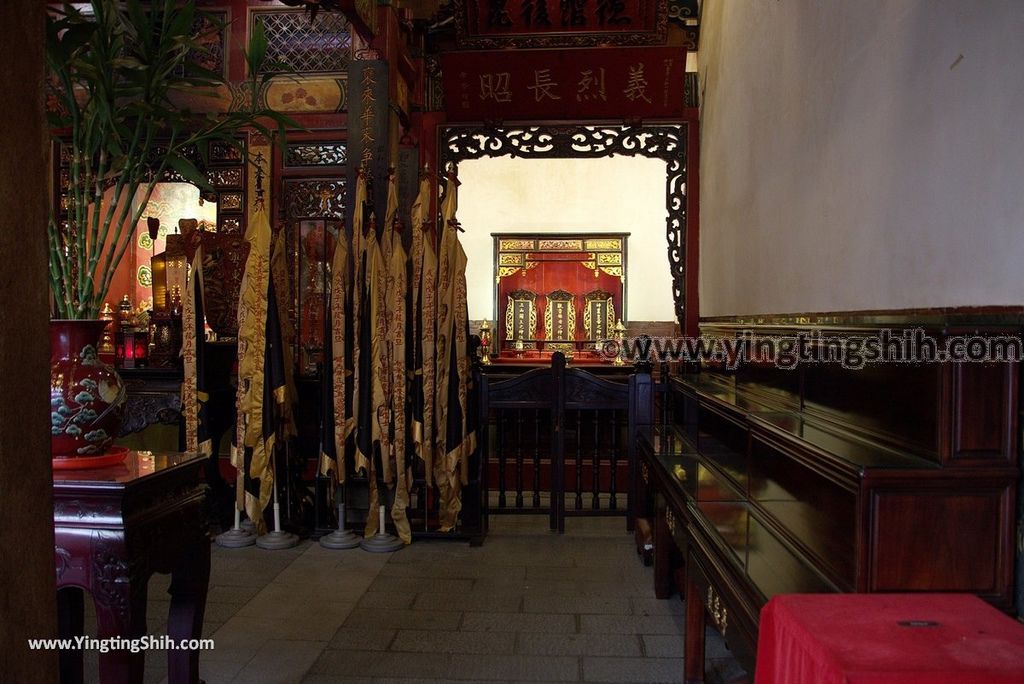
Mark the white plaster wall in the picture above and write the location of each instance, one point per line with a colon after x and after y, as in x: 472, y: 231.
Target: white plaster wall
x: 612, y: 195
x: 861, y: 155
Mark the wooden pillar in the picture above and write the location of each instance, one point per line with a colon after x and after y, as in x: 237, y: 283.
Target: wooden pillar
x: 28, y: 598
x: 368, y: 128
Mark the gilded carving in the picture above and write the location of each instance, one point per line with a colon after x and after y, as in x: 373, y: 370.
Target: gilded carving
x: 315, y: 154
x: 504, y: 245
x: 315, y: 198
x: 605, y: 244
x: 560, y: 317
x: 230, y: 201
x: 560, y: 245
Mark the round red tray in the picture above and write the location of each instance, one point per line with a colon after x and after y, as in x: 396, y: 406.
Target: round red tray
x: 113, y: 456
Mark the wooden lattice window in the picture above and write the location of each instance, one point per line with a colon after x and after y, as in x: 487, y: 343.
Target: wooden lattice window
x: 318, y: 47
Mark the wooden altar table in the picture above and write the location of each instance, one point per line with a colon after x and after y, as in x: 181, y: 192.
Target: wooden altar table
x: 114, y: 527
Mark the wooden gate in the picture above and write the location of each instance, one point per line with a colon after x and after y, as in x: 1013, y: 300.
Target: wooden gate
x: 557, y: 433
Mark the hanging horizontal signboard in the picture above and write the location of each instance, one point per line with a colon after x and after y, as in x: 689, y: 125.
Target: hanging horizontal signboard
x: 490, y: 24
x: 520, y: 85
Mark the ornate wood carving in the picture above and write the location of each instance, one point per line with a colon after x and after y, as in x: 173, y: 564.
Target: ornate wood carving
x: 303, y: 154
x: 560, y: 319
x: 320, y: 198
x: 667, y: 143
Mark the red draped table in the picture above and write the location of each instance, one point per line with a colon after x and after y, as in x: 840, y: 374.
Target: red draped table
x: 887, y: 638
x: 114, y: 527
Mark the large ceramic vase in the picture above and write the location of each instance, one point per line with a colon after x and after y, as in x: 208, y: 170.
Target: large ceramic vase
x: 87, y: 396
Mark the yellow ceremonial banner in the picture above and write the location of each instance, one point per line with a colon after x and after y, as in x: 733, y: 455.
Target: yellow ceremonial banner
x: 284, y: 395
x: 193, y: 396
x: 359, y: 326
x: 397, y: 292
x: 339, y: 431
x: 418, y: 216
x: 445, y: 479
x: 458, y: 456
x: 251, y: 453
x: 428, y: 339
x: 379, y: 375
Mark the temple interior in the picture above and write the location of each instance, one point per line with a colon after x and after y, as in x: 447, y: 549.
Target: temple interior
x: 512, y: 340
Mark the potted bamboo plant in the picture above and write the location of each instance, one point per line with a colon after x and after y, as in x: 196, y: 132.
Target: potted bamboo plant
x: 118, y: 71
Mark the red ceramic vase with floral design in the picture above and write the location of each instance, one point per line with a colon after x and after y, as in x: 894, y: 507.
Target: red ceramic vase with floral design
x: 87, y: 396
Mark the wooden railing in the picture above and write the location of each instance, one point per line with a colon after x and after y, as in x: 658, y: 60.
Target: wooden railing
x: 557, y: 433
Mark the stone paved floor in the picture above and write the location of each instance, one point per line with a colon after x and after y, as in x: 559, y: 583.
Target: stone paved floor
x: 528, y: 605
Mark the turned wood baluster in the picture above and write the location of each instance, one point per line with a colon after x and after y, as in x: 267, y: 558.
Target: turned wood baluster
x: 579, y: 460
x: 595, y: 501
x: 519, y: 458
x: 501, y: 459
x: 612, y: 460
x: 536, y: 458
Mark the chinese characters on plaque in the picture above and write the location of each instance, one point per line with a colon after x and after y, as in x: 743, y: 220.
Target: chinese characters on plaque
x: 566, y: 84
x: 489, y: 24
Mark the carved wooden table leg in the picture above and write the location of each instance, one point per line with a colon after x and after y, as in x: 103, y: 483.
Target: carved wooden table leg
x: 693, y: 654
x: 119, y: 592
x: 71, y: 621
x: 189, y: 581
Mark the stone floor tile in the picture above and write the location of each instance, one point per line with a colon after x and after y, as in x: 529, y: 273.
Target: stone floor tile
x: 280, y: 662
x: 612, y: 605
x: 362, y: 639
x: 501, y: 603
x: 646, y: 670
x: 519, y: 622
x: 621, y: 624
x: 514, y: 667
x: 663, y: 645
x: 403, y: 619
x: 424, y: 585
x: 444, y: 641
x: 382, y: 664
x: 578, y: 644
x: 654, y: 606
x: 335, y: 679
x: 387, y: 599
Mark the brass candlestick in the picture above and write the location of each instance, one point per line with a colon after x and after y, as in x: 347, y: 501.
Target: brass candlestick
x: 485, y: 343
x: 620, y: 336
x: 107, y: 342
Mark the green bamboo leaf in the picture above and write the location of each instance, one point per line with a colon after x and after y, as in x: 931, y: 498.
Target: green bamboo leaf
x: 257, y: 52
x: 181, y: 24
x: 189, y: 172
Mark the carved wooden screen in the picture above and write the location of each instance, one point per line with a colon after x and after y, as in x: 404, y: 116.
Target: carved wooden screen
x: 576, y: 141
x: 311, y: 173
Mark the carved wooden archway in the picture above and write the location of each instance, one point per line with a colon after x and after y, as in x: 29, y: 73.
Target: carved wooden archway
x: 664, y: 142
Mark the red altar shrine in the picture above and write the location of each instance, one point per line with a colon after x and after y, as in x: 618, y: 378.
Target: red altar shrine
x: 558, y: 292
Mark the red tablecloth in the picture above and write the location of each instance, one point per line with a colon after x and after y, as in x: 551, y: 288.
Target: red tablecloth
x: 887, y: 638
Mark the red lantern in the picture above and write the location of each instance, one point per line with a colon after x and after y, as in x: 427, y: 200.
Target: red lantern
x: 131, y: 348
